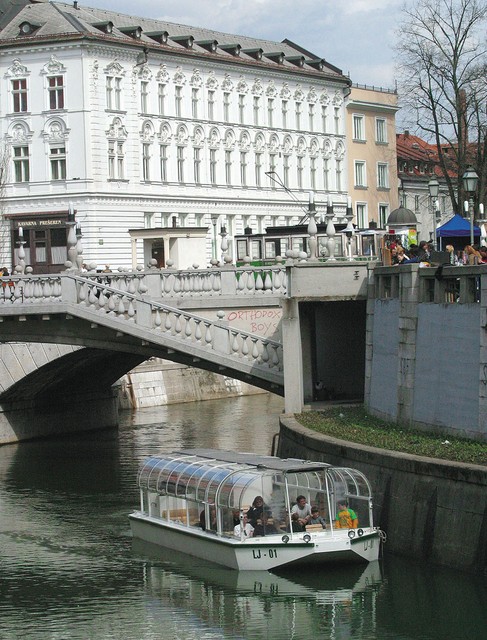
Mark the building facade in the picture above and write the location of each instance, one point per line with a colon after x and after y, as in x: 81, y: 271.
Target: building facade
x: 138, y: 124
x: 371, y: 146
x: 417, y: 164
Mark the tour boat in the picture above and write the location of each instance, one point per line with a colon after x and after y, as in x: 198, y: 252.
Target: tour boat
x: 197, y: 501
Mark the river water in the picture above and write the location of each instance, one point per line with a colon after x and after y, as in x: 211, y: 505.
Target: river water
x: 70, y: 570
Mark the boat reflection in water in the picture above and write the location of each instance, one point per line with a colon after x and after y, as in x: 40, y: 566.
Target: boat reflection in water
x: 314, y: 601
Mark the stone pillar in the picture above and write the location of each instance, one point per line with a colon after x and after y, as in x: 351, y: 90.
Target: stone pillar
x: 133, y: 245
x: 153, y: 282
x: 228, y: 281
x: 369, y: 331
x: 409, y: 292
x: 68, y: 290
x: 292, y: 356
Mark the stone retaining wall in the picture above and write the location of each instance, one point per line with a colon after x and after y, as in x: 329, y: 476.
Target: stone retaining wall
x: 430, y: 509
x: 159, y: 382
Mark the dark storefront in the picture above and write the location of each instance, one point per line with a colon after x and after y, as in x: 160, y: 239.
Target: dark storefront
x: 45, y: 240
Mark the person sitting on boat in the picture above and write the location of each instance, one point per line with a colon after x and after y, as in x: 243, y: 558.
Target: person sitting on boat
x: 316, y: 518
x: 246, y: 527
x: 264, y: 526
x: 303, y: 509
x: 257, y: 509
x: 296, y: 526
x: 212, y: 519
x: 346, y: 518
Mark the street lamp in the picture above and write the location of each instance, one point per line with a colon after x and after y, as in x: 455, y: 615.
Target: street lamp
x: 434, y: 190
x: 401, y: 193
x: 312, y: 228
x: 348, y: 231
x: 470, y: 180
x: 214, y: 220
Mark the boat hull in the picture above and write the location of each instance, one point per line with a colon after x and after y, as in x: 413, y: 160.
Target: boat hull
x: 258, y: 554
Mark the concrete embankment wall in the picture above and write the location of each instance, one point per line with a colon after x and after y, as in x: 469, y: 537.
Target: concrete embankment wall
x: 431, y: 510
x: 159, y: 382
x: 426, y: 362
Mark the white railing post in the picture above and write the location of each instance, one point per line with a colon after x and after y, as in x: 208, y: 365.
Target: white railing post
x: 143, y: 312
x: 228, y: 282
x: 68, y: 289
x: 221, y: 334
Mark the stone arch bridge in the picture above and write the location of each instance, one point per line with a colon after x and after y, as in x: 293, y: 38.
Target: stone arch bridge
x: 112, y: 322
x: 90, y: 329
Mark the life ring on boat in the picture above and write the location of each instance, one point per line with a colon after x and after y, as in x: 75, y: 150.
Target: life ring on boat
x: 351, y: 534
x: 307, y: 538
x: 285, y: 539
x: 360, y: 533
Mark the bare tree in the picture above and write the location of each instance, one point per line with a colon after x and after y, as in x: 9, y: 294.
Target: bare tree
x: 442, y: 65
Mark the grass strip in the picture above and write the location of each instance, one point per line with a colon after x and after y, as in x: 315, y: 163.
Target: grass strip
x: 356, y: 425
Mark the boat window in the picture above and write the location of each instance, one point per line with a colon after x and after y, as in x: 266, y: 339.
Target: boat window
x: 212, y: 475
x: 180, y: 485
x: 349, y: 482
x: 188, y: 479
x: 236, y: 486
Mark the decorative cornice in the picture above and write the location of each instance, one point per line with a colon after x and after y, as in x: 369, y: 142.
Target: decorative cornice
x: 53, y: 66
x: 17, y: 70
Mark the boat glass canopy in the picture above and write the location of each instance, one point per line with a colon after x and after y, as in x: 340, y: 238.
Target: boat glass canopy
x: 232, y: 480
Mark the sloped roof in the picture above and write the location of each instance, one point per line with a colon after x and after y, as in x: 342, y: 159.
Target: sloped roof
x: 10, y: 8
x: 60, y: 21
x: 413, y: 148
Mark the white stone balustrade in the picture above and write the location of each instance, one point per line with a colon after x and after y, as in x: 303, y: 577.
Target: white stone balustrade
x: 226, y: 281
x: 180, y: 325
x: 30, y: 289
x: 199, y: 283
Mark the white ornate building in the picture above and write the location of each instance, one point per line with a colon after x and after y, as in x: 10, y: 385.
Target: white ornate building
x: 165, y: 130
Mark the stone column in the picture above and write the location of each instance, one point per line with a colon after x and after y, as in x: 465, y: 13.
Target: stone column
x: 292, y: 356
x: 133, y: 245
x: 369, y: 331
x: 409, y: 292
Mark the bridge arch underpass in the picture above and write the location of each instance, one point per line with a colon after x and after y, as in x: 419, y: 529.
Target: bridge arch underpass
x: 130, y: 346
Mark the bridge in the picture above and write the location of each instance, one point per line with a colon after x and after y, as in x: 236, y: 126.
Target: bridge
x: 393, y: 337
x: 122, y: 319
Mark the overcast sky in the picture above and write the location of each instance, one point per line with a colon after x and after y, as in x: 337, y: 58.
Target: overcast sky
x: 354, y: 35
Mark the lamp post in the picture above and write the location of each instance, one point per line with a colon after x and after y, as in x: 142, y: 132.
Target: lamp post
x: 434, y: 190
x: 214, y: 220
x: 224, y: 244
x: 21, y: 253
x: 72, y: 240
x: 79, y: 247
x: 330, y: 231
x: 401, y: 193
x: 348, y: 231
x: 470, y: 180
x: 312, y: 228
